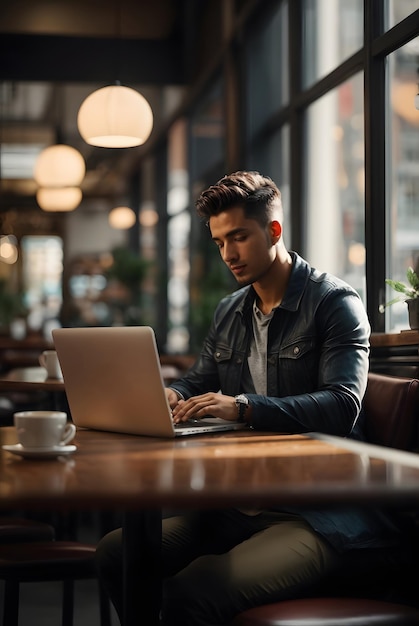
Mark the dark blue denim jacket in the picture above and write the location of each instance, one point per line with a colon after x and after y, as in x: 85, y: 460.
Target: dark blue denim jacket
x: 317, y: 366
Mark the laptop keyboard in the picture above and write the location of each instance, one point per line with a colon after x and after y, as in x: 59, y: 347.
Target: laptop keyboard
x: 189, y: 423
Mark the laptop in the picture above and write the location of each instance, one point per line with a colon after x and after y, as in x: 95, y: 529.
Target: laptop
x: 113, y: 382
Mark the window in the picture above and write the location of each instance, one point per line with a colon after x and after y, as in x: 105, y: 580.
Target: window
x: 334, y: 227
x: 398, y: 10
x: 42, y: 268
x: 403, y: 183
x: 332, y: 32
x: 267, y: 70
x: 271, y: 157
x: 267, y: 92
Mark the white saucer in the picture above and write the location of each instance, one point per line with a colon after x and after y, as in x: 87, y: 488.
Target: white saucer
x: 43, y: 453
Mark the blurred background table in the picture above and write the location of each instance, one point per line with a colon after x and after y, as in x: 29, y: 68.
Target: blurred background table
x: 30, y: 379
x: 396, y: 354
x: 29, y: 388
x: 403, y: 338
x: 22, y: 352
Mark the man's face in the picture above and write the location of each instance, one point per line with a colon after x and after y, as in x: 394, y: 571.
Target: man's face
x: 245, y: 246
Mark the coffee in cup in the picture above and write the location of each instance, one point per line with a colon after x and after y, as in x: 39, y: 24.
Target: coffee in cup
x: 43, y: 429
x: 49, y: 360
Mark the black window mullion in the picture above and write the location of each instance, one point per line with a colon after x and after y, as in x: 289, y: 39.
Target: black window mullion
x: 375, y: 164
x: 161, y: 187
x: 296, y: 120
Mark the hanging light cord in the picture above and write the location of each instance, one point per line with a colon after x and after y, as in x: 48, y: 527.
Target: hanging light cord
x: 118, y: 41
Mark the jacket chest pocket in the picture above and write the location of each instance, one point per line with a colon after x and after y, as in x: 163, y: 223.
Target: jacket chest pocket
x: 297, y: 366
x: 229, y: 364
x: 224, y: 356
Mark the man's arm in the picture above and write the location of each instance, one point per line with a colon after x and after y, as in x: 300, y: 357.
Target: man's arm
x: 334, y: 406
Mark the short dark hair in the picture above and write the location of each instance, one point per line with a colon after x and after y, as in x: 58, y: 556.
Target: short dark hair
x: 257, y: 194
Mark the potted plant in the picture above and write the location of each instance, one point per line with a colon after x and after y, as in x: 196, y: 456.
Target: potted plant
x: 409, y: 293
x: 11, y: 306
x: 130, y: 270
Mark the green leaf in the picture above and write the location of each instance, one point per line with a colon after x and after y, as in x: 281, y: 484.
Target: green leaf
x: 394, y: 301
x: 413, y: 278
x: 398, y: 286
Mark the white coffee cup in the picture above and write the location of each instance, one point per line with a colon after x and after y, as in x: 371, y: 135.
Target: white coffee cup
x: 43, y: 429
x: 49, y: 360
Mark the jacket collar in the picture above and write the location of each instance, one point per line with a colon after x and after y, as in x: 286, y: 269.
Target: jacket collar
x: 299, y: 276
x: 297, y: 283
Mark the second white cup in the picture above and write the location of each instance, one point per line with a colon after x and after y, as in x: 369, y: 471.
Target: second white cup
x: 49, y: 360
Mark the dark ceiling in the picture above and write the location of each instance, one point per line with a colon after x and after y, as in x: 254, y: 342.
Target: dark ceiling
x: 53, y: 54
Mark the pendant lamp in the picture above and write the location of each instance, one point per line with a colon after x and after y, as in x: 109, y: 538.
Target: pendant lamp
x: 59, y: 166
x: 8, y: 249
x: 122, y: 217
x: 58, y: 199
x: 115, y: 117
x: 148, y: 217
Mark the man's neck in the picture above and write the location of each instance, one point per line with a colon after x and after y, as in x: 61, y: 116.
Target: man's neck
x: 271, y: 289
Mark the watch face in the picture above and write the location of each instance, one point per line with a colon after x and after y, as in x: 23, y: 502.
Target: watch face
x: 242, y: 404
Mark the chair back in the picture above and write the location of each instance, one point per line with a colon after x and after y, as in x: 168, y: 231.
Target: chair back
x: 391, y: 407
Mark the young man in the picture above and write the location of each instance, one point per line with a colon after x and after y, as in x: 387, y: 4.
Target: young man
x: 287, y: 352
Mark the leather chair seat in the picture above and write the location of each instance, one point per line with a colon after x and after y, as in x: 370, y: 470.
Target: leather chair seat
x: 329, y: 612
x: 47, y: 560
x: 17, y: 529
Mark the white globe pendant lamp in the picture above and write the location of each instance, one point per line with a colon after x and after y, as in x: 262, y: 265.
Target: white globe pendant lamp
x: 59, y: 170
x: 59, y: 166
x: 115, y: 117
x: 122, y: 217
x: 59, y: 199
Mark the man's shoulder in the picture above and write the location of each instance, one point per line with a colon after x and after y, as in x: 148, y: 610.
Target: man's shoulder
x: 309, y: 282
x: 330, y: 285
x: 320, y: 277
x: 235, y: 297
x: 233, y: 301
x: 329, y: 281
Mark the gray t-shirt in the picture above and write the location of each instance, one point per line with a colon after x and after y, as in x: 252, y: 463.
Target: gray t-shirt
x: 258, y: 348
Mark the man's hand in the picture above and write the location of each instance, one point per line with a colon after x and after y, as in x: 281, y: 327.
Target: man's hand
x: 197, y: 407
x: 172, y: 397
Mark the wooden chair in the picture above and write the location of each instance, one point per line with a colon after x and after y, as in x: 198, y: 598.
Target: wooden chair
x: 29, y: 553
x: 20, y: 529
x: 391, y: 406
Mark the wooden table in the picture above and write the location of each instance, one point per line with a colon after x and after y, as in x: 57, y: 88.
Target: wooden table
x: 143, y: 475
x: 34, y: 380
x: 30, y: 379
x: 396, y: 354
x: 403, y: 338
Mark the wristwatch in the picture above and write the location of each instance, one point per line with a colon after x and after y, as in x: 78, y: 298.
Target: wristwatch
x: 242, y: 404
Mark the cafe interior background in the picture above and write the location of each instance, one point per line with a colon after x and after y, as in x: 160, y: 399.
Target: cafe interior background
x: 321, y: 95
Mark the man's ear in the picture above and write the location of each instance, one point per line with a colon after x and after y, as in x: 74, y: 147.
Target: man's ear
x: 276, y: 231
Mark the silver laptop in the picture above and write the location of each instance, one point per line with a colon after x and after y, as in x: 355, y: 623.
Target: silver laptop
x: 113, y: 382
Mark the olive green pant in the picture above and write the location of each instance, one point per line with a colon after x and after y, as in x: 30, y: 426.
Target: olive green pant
x: 218, y: 563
